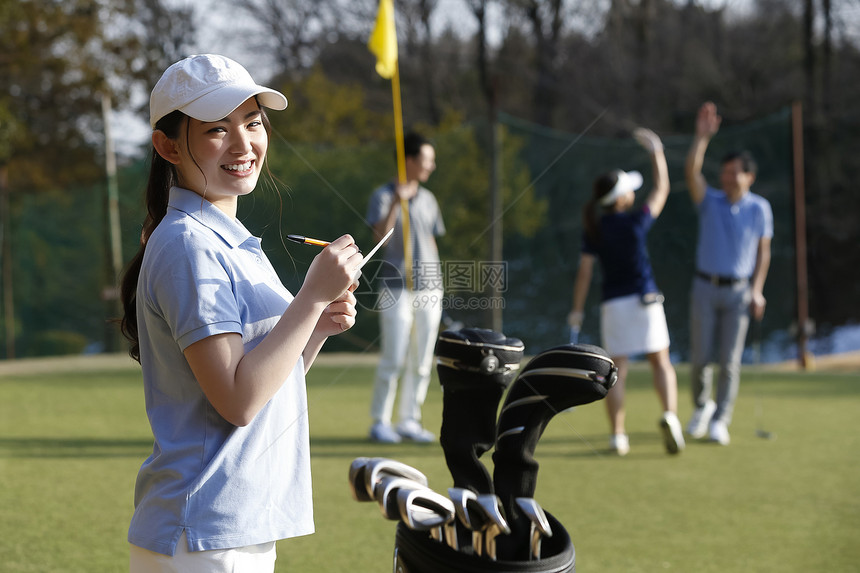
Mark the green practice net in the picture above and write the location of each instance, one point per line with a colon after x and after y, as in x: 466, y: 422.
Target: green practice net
x: 563, y: 167
x: 60, y: 279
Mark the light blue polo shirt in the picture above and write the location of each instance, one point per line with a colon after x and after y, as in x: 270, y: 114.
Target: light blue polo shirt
x: 729, y: 233
x: 203, y: 274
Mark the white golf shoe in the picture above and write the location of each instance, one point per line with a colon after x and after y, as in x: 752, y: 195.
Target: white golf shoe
x: 719, y: 432
x: 620, y: 444
x: 384, y: 434
x: 673, y: 437
x: 698, y: 425
x: 413, y: 431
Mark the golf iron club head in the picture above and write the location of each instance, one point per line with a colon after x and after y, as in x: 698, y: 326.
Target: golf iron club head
x: 540, y: 527
x: 386, y: 494
x: 357, y: 480
x: 461, y: 498
x: 376, y: 468
x: 425, y: 510
x: 492, y: 524
x: 471, y: 519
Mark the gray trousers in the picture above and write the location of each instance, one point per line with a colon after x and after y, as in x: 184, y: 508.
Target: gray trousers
x: 719, y: 318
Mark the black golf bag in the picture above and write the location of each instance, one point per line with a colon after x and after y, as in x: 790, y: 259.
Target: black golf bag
x: 475, y: 367
x: 417, y: 552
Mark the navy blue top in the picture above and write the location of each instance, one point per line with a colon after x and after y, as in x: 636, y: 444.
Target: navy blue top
x: 623, y: 254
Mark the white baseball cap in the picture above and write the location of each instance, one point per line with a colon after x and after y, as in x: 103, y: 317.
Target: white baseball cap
x: 627, y: 181
x: 207, y: 87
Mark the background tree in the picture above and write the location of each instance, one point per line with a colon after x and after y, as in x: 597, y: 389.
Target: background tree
x: 419, y: 42
x: 58, y: 60
x: 290, y: 32
x: 545, y: 18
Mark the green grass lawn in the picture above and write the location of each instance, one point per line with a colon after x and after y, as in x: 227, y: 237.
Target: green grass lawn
x: 71, y: 443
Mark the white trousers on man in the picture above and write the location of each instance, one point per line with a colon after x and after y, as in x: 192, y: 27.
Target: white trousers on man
x: 409, y: 326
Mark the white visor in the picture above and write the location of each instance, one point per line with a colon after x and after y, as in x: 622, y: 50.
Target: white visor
x: 628, y: 181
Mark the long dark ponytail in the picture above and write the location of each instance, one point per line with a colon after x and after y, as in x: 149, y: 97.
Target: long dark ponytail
x: 592, y: 210
x: 162, y: 176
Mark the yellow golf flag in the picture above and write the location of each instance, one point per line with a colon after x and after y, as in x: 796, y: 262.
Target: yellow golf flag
x: 383, y: 40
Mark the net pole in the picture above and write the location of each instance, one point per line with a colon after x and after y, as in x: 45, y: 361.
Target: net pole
x: 800, y: 236
x: 6, y: 270
x: 496, y: 208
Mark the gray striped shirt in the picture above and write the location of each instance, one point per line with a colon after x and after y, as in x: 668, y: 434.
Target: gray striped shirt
x: 425, y: 224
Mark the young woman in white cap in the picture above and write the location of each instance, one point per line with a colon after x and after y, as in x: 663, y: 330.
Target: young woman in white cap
x: 223, y: 346
x: 632, y: 319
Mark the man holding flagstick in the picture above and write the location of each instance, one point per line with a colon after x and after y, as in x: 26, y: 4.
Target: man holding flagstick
x: 410, y: 283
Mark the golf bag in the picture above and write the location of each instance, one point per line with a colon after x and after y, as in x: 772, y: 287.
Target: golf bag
x: 417, y: 552
x: 487, y: 524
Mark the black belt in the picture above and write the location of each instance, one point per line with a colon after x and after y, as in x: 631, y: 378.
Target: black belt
x: 718, y: 280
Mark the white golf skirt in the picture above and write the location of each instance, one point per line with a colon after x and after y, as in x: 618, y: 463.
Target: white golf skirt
x: 629, y: 327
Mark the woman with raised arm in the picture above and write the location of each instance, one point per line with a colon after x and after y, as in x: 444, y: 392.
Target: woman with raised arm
x: 632, y: 318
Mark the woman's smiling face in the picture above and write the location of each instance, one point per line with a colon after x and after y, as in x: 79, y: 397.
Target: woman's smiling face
x: 222, y: 160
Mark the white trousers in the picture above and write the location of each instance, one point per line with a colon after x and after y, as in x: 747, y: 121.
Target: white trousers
x: 409, y: 325
x: 251, y: 559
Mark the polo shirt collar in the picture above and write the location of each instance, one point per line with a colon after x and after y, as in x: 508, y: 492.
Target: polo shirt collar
x: 230, y: 230
x: 725, y: 198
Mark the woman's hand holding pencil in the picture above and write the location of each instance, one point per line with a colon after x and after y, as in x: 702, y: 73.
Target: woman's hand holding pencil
x: 329, y: 269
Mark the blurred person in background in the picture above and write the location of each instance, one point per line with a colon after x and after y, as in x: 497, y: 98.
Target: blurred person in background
x: 632, y: 319
x: 732, y: 260
x: 408, y: 318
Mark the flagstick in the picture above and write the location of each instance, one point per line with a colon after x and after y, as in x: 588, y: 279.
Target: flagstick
x: 401, y: 174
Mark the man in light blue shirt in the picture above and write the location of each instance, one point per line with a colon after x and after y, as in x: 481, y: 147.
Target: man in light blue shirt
x: 732, y: 260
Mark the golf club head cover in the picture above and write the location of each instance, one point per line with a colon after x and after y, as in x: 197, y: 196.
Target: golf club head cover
x: 475, y: 366
x: 554, y: 380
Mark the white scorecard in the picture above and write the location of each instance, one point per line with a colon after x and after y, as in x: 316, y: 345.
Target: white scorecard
x: 376, y: 248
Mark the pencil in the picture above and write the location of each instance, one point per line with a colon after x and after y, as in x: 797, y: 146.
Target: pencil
x: 307, y: 240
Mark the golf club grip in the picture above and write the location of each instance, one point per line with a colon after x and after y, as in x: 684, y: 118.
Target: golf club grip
x: 468, y: 431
